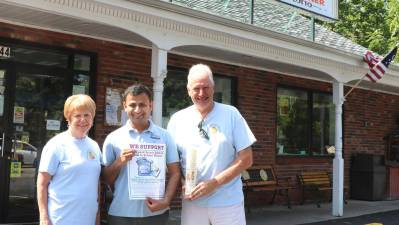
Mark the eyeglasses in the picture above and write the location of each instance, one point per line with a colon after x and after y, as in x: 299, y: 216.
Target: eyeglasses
x: 202, y: 132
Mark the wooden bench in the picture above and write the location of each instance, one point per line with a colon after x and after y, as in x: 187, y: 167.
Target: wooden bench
x: 263, y: 178
x: 316, y: 183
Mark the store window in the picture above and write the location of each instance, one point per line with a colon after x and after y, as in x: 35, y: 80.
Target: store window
x: 81, y: 78
x: 175, y: 95
x: 44, y: 77
x: 323, y: 123
x: 81, y: 62
x: 305, y: 122
x: 81, y: 83
x: 30, y: 55
x: 35, y: 81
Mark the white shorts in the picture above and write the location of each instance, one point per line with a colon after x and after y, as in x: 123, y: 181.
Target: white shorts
x: 195, y: 215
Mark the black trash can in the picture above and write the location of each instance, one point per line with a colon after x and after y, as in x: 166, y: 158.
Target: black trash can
x: 368, y: 177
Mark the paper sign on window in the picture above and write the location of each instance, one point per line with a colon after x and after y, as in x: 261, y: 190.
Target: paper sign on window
x: 113, y: 107
x: 19, y: 114
x: 15, y: 170
x: 25, y: 137
x: 53, y: 125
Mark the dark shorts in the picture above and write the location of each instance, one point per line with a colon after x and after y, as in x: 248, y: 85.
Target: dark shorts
x: 151, y: 220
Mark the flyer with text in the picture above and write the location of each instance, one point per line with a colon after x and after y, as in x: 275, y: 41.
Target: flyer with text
x: 146, y: 171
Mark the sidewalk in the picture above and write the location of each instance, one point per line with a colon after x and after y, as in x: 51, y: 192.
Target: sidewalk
x: 309, y: 213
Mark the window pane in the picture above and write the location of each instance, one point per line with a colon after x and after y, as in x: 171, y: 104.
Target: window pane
x: 223, y: 90
x: 175, y: 95
x: 292, y: 122
x: 323, y: 125
x: 81, y: 62
x: 81, y: 84
x: 40, y: 57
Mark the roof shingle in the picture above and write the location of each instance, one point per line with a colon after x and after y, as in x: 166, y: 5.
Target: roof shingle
x: 274, y: 16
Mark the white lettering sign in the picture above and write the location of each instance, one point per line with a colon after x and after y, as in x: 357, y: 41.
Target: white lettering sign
x: 326, y: 8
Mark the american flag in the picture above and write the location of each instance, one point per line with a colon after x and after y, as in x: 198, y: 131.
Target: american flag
x: 377, y: 66
x: 371, y: 59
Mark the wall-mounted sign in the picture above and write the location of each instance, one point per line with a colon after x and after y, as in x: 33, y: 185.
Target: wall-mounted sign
x: 5, y: 51
x: 325, y: 8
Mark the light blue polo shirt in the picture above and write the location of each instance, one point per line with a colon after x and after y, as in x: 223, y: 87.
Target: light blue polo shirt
x: 113, y: 145
x: 228, y: 134
x: 75, y: 166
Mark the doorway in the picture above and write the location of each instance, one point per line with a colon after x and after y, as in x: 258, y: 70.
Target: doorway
x: 35, y: 97
x: 32, y: 97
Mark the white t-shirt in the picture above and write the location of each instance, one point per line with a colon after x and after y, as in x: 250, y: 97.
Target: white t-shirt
x: 117, y: 140
x: 228, y: 134
x: 75, y: 166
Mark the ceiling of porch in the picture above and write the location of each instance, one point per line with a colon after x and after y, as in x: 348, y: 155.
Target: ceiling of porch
x: 251, y: 61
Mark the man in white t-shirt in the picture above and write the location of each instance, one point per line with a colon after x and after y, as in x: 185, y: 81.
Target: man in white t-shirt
x: 222, y: 141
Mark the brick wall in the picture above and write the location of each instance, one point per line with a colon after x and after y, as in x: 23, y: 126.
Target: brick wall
x: 368, y: 115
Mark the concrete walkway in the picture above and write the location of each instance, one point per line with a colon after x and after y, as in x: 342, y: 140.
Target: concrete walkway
x: 309, y: 213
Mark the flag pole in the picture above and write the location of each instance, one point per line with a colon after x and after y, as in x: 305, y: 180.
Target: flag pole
x: 355, y: 86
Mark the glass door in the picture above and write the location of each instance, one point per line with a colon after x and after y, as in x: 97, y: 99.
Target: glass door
x: 36, y: 115
x: 5, y: 137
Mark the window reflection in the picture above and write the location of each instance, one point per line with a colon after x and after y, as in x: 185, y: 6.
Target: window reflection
x: 305, y: 122
x: 292, y: 121
x: 81, y: 84
x: 39, y: 57
x: 323, y: 125
x: 81, y: 62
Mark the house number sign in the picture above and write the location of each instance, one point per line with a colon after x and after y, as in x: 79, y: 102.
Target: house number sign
x: 5, y: 51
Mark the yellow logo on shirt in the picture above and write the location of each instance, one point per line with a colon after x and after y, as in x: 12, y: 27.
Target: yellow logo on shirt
x: 91, y: 155
x: 213, y: 129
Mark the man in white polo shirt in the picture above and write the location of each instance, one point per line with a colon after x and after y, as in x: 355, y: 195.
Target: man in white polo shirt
x: 139, y: 137
x: 222, y: 140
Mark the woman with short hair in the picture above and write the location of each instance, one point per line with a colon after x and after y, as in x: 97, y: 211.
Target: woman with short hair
x: 69, y: 171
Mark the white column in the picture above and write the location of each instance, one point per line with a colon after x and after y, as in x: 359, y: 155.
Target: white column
x: 158, y: 74
x: 338, y: 162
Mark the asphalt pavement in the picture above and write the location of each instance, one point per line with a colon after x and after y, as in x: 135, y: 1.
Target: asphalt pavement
x: 384, y: 218
x: 356, y: 212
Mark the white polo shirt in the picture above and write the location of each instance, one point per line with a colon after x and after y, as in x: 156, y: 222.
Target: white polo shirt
x: 228, y: 134
x: 75, y: 166
x: 112, y: 148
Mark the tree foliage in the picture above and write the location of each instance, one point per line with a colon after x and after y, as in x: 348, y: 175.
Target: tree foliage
x: 373, y: 24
